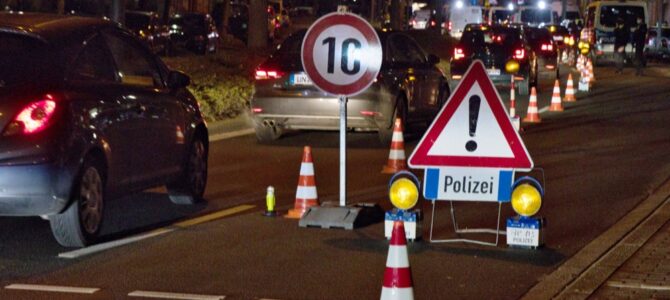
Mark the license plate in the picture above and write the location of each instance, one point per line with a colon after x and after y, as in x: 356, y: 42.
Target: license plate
x: 493, y: 71
x: 300, y: 79
x: 558, y: 38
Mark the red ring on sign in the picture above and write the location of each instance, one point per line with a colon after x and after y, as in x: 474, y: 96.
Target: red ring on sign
x: 308, y: 59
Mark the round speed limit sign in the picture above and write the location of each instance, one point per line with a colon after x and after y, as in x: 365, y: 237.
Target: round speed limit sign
x: 341, y: 54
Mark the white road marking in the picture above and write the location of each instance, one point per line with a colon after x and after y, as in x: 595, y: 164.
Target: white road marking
x: 544, y: 109
x: 52, y: 288
x: 113, y: 244
x: 228, y: 135
x: 164, y: 295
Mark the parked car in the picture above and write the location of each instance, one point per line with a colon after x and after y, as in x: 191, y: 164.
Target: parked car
x: 542, y: 43
x: 194, y: 31
x: 150, y: 29
x: 89, y: 114
x: 422, y: 19
x: 409, y: 86
x: 503, y: 49
x: 459, y: 17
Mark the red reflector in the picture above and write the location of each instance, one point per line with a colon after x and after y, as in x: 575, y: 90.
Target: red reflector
x: 519, y: 53
x: 257, y: 110
x: 368, y: 113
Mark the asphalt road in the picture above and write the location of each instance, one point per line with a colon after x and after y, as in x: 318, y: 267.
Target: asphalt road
x: 600, y: 157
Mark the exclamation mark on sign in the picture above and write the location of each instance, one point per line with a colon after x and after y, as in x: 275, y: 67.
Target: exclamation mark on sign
x: 471, y: 145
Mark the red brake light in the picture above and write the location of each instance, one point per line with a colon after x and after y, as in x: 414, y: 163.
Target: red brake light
x: 450, y: 24
x: 519, y: 53
x: 458, y: 53
x: 33, y: 118
x: 432, y: 23
x: 547, y: 47
x: 262, y: 74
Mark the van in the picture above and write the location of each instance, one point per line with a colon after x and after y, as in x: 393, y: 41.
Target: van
x: 422, y: 19
x: 461, y: 16
x: 501, y: 15
x: 600, y: 21
x: 536, y: 17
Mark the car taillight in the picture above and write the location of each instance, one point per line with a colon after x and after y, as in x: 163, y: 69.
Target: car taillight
x: 33, y: 118
x: 450, y: 25
x: 547, y: 47
x: 519, y: 53
x: 458, y: 53
x: 432, y: 23
x: 262, y: 74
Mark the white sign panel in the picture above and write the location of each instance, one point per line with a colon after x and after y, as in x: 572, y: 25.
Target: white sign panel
x: 468, y: 184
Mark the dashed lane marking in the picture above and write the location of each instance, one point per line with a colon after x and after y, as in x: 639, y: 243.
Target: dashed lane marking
x: 52, y: 288
x: 113, y: 244
x: 165, y: 295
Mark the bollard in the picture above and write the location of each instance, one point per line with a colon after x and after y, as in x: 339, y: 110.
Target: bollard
x: 270, y: 202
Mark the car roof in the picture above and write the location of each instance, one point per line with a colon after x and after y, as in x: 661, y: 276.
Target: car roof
x: 51, y: 28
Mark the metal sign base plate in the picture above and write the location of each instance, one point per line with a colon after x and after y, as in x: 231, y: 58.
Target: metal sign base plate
x: 349, y: 217
x: 496, y: 231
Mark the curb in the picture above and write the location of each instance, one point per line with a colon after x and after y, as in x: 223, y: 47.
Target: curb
x: 581, y: 275
x: 230, y: 128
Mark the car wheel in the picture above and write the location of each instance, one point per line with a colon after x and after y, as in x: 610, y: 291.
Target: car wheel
x: 190, y: 187
x: 386, y: 133
x: 79, y: 224
x: 266, y: 133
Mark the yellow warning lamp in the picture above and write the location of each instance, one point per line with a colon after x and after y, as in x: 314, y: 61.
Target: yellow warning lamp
x: 527, y: 196
x: 512, y: 66
x: 552, y: 28
x: 584, y: 50
x: 404, y: 190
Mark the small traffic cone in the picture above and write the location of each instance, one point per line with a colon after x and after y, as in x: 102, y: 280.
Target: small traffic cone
x: 556, y: 104
x: 396, y: 161
x: 512, y: 100
x: 532, y: 116
x: 305, y: 195
x: 397, y: 276
x: 570, y: 90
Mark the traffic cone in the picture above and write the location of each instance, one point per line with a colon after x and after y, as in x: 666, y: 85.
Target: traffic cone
x: 532, y: 116
x: 512, y: 100
x: 396, y: 161
x: 570, y: 90
x: 556, y: 104
x: 397, y: 276
x: 305, y: 195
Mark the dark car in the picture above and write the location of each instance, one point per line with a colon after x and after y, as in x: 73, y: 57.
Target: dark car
x: 409, y: 86
x: 194, y: 31
x: 149, y: 28
x: 89, y: 114
x: 565, y: 43
x: 503, y: 49
x: 542, y: 43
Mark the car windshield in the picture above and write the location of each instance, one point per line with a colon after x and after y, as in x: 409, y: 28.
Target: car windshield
x: 137, y: 21
x: 536, y: 16
x: 609, y: 14
x: 23, y: 60
x: 500, y: 16
x: 482, y: 36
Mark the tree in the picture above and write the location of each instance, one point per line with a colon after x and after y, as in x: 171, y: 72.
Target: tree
x: 258, y: 24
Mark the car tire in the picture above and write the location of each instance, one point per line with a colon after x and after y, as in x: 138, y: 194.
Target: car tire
x: 190, y: 187
x: 79, y: 225
x: 266, y: 134
x: 386, y: 133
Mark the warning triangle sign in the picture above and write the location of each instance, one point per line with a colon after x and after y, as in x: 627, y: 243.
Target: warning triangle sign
x: 472, y: 130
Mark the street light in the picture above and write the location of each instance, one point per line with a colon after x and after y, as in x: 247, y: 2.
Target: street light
x: 510, y: 6
x: 542, y: 5
x: 459, y: 4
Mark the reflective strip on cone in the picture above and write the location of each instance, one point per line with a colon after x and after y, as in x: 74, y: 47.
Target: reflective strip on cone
x: 396, y: 154
x: 397, y: 293
x: 397, y: 136
x: 306, y: 192
x: 307, y: 168
x: 397, y: 257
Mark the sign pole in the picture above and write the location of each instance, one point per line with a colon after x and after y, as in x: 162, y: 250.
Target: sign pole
x: 343, y: 150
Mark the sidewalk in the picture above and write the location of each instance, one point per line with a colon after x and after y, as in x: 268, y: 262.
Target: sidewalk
x: 631, y: 260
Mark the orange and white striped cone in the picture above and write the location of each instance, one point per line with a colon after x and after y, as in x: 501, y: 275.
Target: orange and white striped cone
x: 396, y: 161
x: 533, y: 115
x: 570, y: 90
x: 583, y: 81
x: 512, y: 100
x: 397, y: 276
x: 556, y: 104
x: 305, y: 195
x: 592, y: 75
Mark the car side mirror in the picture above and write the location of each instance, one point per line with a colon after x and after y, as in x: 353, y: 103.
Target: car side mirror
x: 433, y: 59
x: 178, y: 79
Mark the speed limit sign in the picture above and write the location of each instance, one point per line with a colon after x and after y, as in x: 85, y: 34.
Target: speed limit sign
x: 341, y: 54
